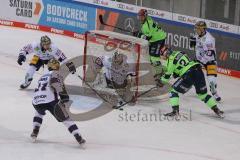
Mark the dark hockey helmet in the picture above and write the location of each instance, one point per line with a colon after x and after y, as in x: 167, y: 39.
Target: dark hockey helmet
x: 53, y: 64
x: 142, y: 14
x: 200, y: 28
x: 45, y: 40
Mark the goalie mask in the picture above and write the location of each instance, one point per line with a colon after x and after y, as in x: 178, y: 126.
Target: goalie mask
x: 53, y: 64
x: 200, y: 28
x: 117, y: 58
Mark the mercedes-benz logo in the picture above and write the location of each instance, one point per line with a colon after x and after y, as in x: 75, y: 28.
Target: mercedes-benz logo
x: 129, y: 24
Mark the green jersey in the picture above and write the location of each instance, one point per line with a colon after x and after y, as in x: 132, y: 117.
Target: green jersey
x: 152, y: 30
x: 177, y: 63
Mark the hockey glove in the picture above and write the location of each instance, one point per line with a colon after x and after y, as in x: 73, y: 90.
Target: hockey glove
x: 159, y: 83
x: 21, y: 59
x: 71, y: 67
x: 175, y: 75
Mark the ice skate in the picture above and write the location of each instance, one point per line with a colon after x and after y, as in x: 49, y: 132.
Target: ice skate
x: 35, y: 133
x: 218, y: 112
x: 80, y: 140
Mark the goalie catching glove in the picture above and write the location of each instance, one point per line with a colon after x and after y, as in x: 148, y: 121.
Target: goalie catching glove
x: 71, y: 67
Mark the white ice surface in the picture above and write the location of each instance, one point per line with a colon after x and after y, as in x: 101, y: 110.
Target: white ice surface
x: 109, y: 137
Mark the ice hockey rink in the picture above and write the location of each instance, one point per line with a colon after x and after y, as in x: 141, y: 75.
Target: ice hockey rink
x: 204, y: 137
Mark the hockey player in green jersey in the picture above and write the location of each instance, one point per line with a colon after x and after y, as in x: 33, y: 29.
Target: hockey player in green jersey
x: 152, y: 32
x: 189, y: 73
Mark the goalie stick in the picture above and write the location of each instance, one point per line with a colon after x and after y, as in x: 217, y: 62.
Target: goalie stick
x: 125, y: 103
x: 94, y: 90
x: 119, y: 107
x: 98, y: 94
x: 119, y: 28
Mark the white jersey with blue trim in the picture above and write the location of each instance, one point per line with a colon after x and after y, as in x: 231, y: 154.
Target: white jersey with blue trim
x: 205, y: 48
x: 36, y: 49
x: 49, y: 86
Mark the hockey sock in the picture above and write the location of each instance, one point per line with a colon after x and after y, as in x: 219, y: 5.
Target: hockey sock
x: 30, y: 72
x: 72, y: 127
x: 37, y: 120
x: 212, y: 79
x: 207, y: 99
x: 174, y: 98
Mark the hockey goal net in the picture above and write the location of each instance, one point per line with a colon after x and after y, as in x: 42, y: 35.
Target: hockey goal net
x: 105, y: 43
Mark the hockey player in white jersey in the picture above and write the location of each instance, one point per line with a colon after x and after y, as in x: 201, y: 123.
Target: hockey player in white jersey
x: 116, y: 71
x: 43, y: 52
x: 204, y: 44
x: 51, y: 95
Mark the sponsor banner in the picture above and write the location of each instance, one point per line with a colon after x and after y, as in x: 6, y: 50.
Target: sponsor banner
x: 165, y: 15
x: 68, y: 16
x: 41, y: 28
x: 62, y: 15
x: 228, y: 72
x: 28, y: 11
x: 211, y: 24
x: 128, y: 8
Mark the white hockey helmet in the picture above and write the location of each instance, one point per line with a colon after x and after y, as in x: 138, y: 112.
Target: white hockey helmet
x: 118, y: 57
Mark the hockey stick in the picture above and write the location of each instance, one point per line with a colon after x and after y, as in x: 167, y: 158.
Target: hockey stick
x: 119, y: 28
x: 120, y: 106
x: 98, y: 94
x: 115, y: 107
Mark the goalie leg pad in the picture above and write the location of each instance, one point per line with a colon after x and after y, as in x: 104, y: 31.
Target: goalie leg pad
x: 125, y: 92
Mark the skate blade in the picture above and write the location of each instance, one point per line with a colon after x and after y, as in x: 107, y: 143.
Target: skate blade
x: 220, y: 116
x: 23, y: 87
x: 82, y: 146
x: 34, y: 139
